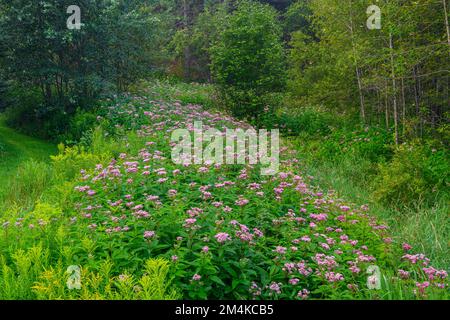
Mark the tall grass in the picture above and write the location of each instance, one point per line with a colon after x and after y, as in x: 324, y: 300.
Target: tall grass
x: 16, y: 152
x: 27, y: 184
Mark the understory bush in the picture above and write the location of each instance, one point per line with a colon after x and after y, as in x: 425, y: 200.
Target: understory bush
x: 369, y: 143
x: 412, y: 174
x: 34, y: 119
x: 58, y: 120
x: 313, y: 123
x: 80, y: 126
x: 247, y: 59
x: 2, y: 149
x: 416, y: 174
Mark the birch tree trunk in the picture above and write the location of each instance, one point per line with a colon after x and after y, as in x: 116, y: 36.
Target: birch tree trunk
x: 187, y: 51
x: 444, y: 3
x: 358, y: 73
x: 394, y: 87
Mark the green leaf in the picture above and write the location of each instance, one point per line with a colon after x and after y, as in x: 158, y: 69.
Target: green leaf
x: 217, y: 280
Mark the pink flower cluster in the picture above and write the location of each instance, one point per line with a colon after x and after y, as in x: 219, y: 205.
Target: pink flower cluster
x: 222, y: 237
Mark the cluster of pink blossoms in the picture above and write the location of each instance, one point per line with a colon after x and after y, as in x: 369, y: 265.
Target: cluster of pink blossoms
x: 222, y: 237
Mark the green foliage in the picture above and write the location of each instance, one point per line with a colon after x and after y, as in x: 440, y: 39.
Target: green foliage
x: 31, y: 179
x: 369, y: 143
x: 28, y: 113
x: 297, y: 17
x: 417, y: 174
x: 247, y: 104
x: 247, y: 59
x: 2, y: 150
x: 337, y: 62
x: 191, y: 44
x: 407, y: 190
x: 414, y: 174
x: 16, y: 149
x: 298, y: 122
x: 3, y: 92
x: 80, y: 126
x: 31, y: 276
x: 71, y: 160
x: 67, y: 69
x: 153, y: 285
x: 17, y: 278
x: 173, y: 90
x: 21, y: 112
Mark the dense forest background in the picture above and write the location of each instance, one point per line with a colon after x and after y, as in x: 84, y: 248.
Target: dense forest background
x: 320, y: 53
x: 367, y: 109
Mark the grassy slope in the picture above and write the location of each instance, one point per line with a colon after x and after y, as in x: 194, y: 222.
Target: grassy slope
x: 17, y: 149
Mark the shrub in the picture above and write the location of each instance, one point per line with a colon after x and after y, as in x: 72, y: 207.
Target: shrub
x: 244, y: 103
x: 311, y: 122
x: 81, y: 125
x: 70, y: 160
x: 2, y: 149
x: 416, y: 174
x: 369, y: 143
x: 247, y: 60
x: 20, y: 111
x: 3, y: 91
